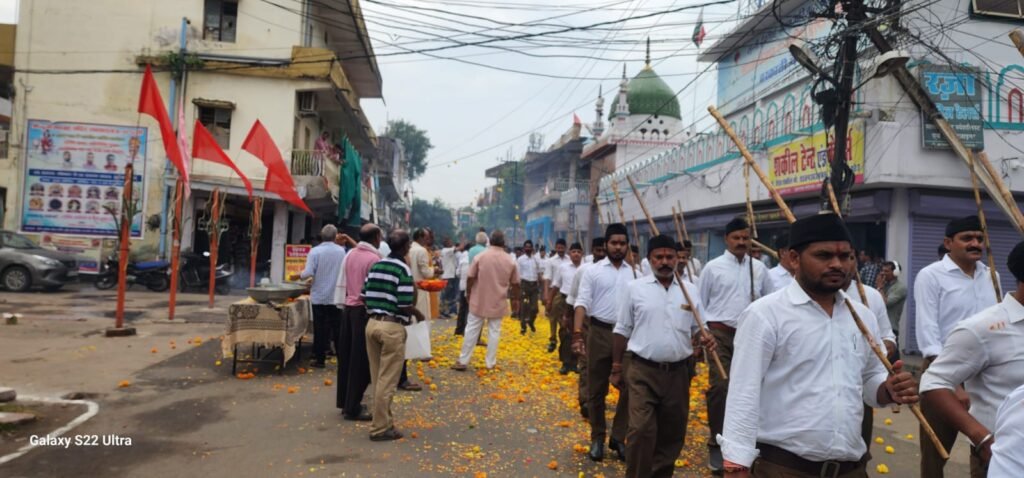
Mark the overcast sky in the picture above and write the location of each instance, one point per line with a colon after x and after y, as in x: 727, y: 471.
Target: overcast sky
x: 8, y: 11
x: 475, y: 115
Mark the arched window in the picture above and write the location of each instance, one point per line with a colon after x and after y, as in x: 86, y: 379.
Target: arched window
x: 772, y: 132
x: 1015, y: 102
x: 805, y: 117
x: 788, y: 125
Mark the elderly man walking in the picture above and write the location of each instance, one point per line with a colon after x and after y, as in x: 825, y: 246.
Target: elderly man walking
x: 353, y: 364
x: 323, y: 265
x: 491, y: 275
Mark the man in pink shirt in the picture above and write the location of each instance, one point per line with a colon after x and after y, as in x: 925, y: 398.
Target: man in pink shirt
x: 490, y: 275
x: 353, y: 363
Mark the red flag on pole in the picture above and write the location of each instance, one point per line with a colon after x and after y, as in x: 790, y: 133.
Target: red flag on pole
x: 204, y: 146
x: 151, y: 104
x: 279, y: 181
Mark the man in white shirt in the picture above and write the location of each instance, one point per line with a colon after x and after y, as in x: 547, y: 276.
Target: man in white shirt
x: 462, y: 272
x: 694, y: 263
x: 598, y: 253
x: 945, y: 293
x: 562, y: 281
x: 449, y: 262
x: 803, y: 368
x: 598, y: 300
x: 984, y: 352
x: 656, y: 325
x: 781, y: 275
x: 727, y: 285
x: 323, y: 266
x: 682, y: 266
x: 1008, y: 449
x: 529, y: 266
x: 551, y: 268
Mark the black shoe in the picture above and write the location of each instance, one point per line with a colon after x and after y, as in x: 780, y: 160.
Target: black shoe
x: 364, y: 416
x: 618, y: 447
x: 522, y: 331
x: 574, y: 369
x: 551, y: 348
x: 584, y: 412
x: 596, y: 452
x: 532, y: 328
x: 564, y: 370
x: 317, y: 364
x: 390, y: 434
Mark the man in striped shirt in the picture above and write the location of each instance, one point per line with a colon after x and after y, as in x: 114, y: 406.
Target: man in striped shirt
x: 389, y: 297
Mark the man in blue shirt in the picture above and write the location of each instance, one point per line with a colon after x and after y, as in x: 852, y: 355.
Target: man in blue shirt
x: 323, y: 265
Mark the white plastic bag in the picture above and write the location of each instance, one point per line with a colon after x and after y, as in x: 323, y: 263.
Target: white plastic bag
x: 417, y: 341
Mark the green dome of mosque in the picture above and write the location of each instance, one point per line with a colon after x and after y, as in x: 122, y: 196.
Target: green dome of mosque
x: 648, y: 94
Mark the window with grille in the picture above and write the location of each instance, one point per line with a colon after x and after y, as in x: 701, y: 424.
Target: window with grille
x: 220, y: 18
x: 999, y: 8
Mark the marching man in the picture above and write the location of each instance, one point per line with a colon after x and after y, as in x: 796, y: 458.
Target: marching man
x: 656, y: 325
x: 803, y: 368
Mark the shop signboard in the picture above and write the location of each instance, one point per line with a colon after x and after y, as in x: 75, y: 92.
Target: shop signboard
x: 74, y: 177
x: 956, y: 92
x: 295, y: 260
x: 88, y: 250
x: 802, y: 164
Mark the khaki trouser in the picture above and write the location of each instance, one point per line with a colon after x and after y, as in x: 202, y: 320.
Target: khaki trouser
x: 528, y: 307
x: 385, y: 347
x: 767, y: 469
x: 599, y: 368
x: 931, y: 463
x: 716, y: 394
x: 555, y: 314
x: 659, y: 404
x: 581, y: 366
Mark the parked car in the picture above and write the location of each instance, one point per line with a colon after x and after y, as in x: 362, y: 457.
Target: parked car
x: 23, y: 264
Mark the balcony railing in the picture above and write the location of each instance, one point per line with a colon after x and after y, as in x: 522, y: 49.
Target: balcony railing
x: 310, y: 163
x: 553, y: 190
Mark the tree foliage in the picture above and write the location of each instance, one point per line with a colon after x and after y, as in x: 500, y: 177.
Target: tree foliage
x: 505, y: 213
x: 416, y: 144
x: 434, y: 215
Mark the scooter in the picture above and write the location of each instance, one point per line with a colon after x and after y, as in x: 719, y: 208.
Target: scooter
x: 155, y: 275
x: 195, y: 274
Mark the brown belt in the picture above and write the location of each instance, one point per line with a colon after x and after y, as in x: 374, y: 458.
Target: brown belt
x: 598, y: 323
x: 388, y: 318
x: 826, y: 469
x: 721, y: 326
x: 667, y: 366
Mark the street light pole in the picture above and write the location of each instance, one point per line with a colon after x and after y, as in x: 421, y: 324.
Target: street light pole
x: 842, y: 176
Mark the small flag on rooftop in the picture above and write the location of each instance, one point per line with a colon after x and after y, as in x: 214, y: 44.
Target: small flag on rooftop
x: 698, y: 30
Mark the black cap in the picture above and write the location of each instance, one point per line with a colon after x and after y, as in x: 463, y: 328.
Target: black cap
x: 818, y: 228
x: 660, y: 241
x: 616, y: 228
x: 956, y: 226
x: 560, y: 241
x: 576, y: 246
x: 687, y: 244
x: 1015, y: 262
x: 735, y: 225
x: 782, y: 242
x: 680, y: 247
x: 597, y: 242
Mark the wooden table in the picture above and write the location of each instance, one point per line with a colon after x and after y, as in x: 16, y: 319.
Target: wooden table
x: 271, y: 326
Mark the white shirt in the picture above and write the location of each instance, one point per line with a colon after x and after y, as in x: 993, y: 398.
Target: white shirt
x: 449, y: 262
x: 1008, y: 449
x: 552, y: 264
x: 562, y: 282
x: 724, y: 287
x: 985, y: 352
x: 685, y: 274
x: 599, y: 288
x: 645, y: 268
x: 653, y: 319
x: 798, y: 379
x: 697, y: 265
x: 877, y: 305
x: 574, y: 289
x: 589, y: 259
x: 529, y: 267
x: 779, y: 277
x: 463, y: 270
x: 943, y: 296
x: 385, y: 249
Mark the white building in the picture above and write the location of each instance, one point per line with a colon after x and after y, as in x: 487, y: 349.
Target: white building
x: 905, y: 192
x: 301, y: 70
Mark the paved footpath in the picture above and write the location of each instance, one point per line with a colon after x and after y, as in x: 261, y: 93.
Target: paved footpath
x: 185, y: 412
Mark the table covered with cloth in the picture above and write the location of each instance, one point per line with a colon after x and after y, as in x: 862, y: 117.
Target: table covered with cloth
x: 274, y: 324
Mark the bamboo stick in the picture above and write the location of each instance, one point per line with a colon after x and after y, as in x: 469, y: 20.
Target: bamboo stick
x: 1017, y: 37
x: 622, y: 216
x: 984, y: 229
x: 766, y: 249
x: 1015, y: 214
x: 914, y: 408
x: 682, y: 238
x: 750, y: 160
x: 682, y: 220
x: 856, y: 272
x: 682, y: 286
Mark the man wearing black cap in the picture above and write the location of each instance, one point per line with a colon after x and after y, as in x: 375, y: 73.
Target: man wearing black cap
x: 560, y: 285
x: 656, y: 325
x: 597, y: 254
x: 781, y: 275
x: 551, y: 267
x: 802, y: 369
x: 727, y: 285
x: 945, y: 293
x: 984, y: 353
x: 682, y: 263
x: 598, y: 298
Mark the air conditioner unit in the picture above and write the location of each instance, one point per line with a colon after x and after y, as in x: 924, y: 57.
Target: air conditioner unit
x: 307, y: 103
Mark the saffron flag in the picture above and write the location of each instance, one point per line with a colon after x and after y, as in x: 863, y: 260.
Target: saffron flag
x: 204, y: 146
x: 279, y: 181
x: 151, y: 104
x: 698, y: 30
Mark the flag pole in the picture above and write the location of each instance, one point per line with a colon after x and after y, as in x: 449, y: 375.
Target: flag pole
x: 214, y: 234
x: 179, y: 192
x: 127, y: 213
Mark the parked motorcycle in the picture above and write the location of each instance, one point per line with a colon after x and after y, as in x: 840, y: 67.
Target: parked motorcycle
x: 153, y: 274
x: 195, y: 274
